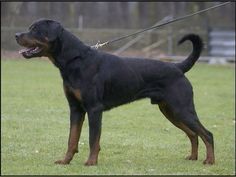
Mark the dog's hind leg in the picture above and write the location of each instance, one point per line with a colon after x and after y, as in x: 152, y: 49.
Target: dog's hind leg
x: 192, y: 122
x: 193, y: 137
x: 156, y: 99
x: 207, y: 138
x: 178, y: 107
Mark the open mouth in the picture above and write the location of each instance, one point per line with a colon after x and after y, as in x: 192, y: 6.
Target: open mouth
x: 28, y: 52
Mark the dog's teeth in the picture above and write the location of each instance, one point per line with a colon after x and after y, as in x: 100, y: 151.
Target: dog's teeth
x: 22, y: 51
x: 29, y: 50
x: 35, y: 50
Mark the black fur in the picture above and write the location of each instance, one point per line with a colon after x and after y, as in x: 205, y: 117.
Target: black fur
x: 96, y: 81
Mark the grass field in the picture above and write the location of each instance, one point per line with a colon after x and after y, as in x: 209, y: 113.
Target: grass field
x: 136, y: 138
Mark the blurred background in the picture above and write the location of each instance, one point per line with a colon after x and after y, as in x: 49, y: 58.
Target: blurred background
x: 102, y: 21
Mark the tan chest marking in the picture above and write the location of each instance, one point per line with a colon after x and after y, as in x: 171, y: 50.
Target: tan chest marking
x: 76, y: 93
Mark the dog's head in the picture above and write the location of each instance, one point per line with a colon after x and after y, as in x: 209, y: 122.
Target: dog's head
x: 38, y: 41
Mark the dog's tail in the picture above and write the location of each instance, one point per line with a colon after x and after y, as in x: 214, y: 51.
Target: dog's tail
x: 197, y: 43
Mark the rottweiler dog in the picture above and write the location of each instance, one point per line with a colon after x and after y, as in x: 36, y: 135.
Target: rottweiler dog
x: 96, y: 81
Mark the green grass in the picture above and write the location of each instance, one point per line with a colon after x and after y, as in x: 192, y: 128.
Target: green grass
x: 136, y: 138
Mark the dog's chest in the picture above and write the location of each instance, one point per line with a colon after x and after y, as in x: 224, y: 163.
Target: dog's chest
x: 76, y: 93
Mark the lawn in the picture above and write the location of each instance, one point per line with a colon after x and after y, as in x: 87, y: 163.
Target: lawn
x: 136, y: 138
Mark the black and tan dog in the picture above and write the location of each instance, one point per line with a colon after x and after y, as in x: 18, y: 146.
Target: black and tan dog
x: 96, y: 81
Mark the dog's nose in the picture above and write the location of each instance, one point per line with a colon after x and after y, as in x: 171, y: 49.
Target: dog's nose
x: 17, y: 35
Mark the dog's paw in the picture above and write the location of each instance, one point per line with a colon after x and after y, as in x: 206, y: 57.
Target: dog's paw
x: 191, y: 157
x: 209, y: 161
x: 90, y: 162
x: 62, y: 162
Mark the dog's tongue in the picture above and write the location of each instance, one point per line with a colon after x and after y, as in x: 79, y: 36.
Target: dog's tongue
x: 26, y: 50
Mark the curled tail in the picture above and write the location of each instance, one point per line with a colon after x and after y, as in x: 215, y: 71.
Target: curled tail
x: 197, y: 43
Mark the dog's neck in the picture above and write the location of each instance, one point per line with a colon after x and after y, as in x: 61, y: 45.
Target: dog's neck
x: 66, y: 49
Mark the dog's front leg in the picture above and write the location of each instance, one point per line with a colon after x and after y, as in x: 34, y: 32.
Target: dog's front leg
x: 76, y: 122
x: 77, y: 114
x: 95, y: 123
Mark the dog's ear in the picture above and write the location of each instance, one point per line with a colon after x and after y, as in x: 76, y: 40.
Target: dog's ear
x: 54, y: 30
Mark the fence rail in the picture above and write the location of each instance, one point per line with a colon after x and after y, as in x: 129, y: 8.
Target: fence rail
x: 221, y: 43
